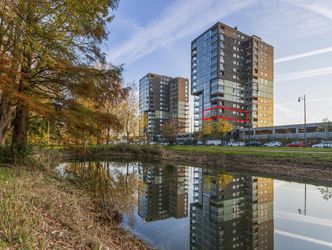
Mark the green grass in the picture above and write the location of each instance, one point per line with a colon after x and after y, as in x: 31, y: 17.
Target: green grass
x: 271, y: 153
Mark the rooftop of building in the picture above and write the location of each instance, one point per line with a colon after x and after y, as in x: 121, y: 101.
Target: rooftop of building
x: 163, y: 76
x: 235, y: 28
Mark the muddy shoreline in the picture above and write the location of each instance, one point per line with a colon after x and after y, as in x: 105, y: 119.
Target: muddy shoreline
x: 318, y: 173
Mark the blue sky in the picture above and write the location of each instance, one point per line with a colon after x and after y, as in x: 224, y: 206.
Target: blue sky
x: 155, y: 36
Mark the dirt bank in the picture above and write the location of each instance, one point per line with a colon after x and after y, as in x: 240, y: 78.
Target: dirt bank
x: 39, y: 211
x: 286, y: 168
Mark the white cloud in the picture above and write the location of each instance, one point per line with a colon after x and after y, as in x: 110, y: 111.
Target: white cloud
x: 286, y: 111
x: 303, y: 74
x: 304, y: 238
x: 315, y: 100
x: 185, y: 17
x: 322, y: 8
x: 128, y: 24
x: 305, y: 219
x: 303, y: 55
x: 280, y: 21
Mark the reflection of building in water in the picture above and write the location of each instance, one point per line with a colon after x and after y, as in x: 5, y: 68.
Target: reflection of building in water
x: 231, y: 212
x: 165, y: 193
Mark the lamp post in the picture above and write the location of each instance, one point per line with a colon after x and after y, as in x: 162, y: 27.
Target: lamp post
x: 303, y: 98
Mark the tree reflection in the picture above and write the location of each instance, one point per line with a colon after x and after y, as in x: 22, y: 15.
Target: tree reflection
x: 326, y: 192
x: 113, y: 188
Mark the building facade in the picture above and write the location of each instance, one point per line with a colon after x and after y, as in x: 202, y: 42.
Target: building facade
x: 315, y: 132
x: 179, y: 104
x: 232, y: 77
x: 163, y: 99
x: 231, y: 212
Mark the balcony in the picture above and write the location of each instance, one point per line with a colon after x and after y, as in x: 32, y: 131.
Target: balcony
x: 217, y: 91
x: 217, y: 98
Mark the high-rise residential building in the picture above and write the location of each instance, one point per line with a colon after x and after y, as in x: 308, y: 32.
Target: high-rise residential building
x: 232, y: 77
x: 231, y: 212
x: 179, y: 104
x: 163, y: 99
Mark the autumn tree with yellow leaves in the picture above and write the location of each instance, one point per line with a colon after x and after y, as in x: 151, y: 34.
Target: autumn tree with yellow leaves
x: 50, y: 57
x: 216, y: 128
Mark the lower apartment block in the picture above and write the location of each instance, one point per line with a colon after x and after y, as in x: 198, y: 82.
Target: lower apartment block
x: 163, y: 99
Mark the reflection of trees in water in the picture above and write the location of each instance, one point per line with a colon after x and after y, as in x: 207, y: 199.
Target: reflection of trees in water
x: 114, y: 190
x: 221, y: 179
x: 326, y: 192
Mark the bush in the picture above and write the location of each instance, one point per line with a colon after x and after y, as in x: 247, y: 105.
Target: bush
x: 125, y: 148
x: 5, y: 154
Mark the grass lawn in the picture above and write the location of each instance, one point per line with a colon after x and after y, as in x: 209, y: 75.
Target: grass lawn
x: 324, y: 154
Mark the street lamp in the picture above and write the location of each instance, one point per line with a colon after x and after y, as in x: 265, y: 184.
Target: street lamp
x: 303, y: 98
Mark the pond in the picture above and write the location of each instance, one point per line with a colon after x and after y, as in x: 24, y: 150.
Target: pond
x: 184, y: 207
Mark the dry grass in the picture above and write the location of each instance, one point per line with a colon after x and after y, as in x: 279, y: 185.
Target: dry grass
x: 38, y: 211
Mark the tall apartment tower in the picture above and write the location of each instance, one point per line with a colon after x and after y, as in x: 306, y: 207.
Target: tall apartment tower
x: 162, y: 99
x: 232, y: 78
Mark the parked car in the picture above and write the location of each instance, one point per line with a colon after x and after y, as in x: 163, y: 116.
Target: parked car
x: 296, y: 144
x: 319, y: 145
x: 324, y: 144
x: 236, y: 144
x: 273, y: 144
x: 254, y: 144
x: 213, y: 142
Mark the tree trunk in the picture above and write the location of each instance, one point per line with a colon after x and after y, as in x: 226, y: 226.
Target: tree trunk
x: 2, y: 138
x: 21, y: 120
x: 127, y: 123
x: 6, y: 116
x: 20, y: 132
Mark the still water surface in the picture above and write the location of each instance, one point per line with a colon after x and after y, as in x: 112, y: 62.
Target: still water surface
x: 184, y: 207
